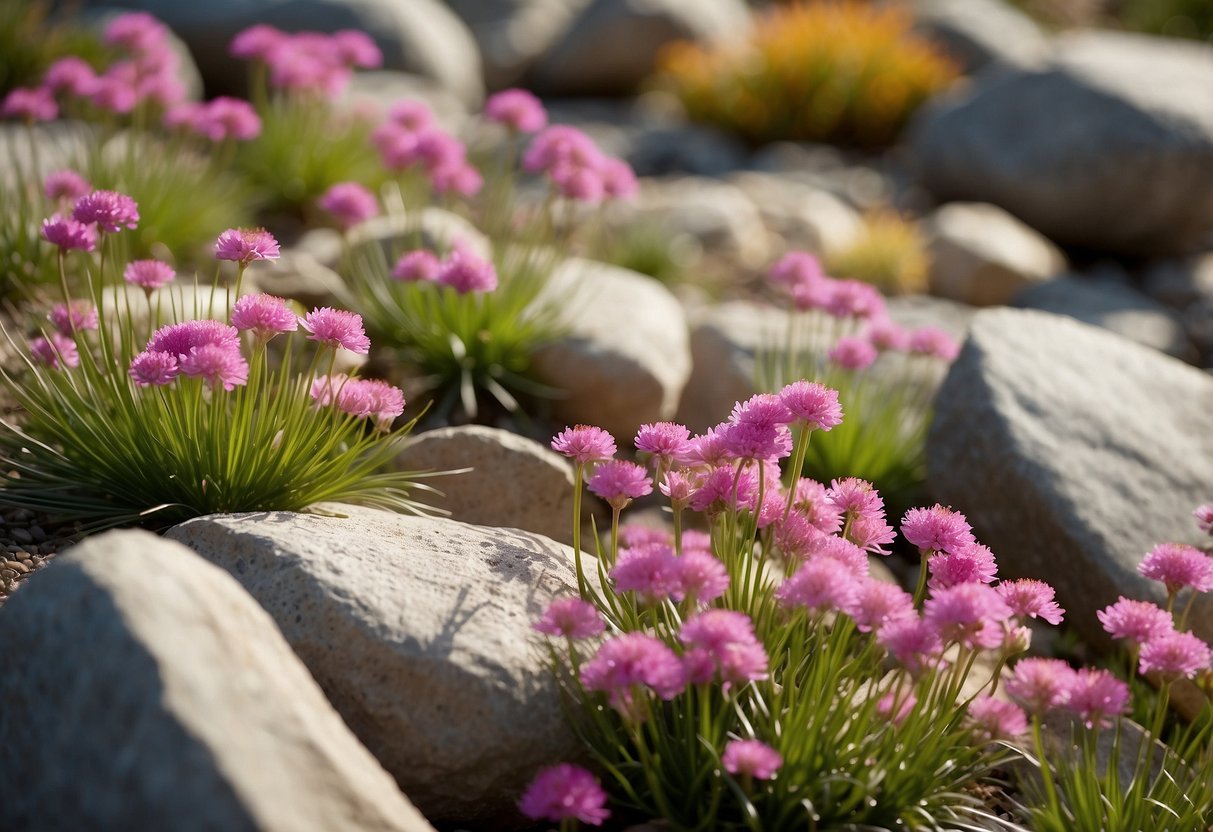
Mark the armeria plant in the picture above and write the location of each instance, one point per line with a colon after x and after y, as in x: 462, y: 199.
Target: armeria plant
x: 839, y: 333
x: 134, y: 410
x: 756, y: 675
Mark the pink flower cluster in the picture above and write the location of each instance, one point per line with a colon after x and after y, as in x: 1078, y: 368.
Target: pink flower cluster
x: 349, y: 203
x: 218, y: 120
x: 516, y: 109
x: 650, y: 568
x: 462, y: 269
x: 244, y: 245
x: 205, y: 349
x: 411, y: 138
x: 362, y: 398
x: 577, y: 168
x: 94, y: 212
x: 565, y: 792
x: 1044, y: 685
x: 308, y: 62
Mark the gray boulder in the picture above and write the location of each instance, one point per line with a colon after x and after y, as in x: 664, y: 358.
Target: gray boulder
x: 148, y: 691
x: 1110, y: 146
x: 514, y: 34
x: 418, y: 630
x: 981, y: 34
x: 1073, y: 452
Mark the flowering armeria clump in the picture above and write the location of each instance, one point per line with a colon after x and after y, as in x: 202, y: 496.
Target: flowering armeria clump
x: 756, y: 675
x: 839, y: 333
x: 155, y: 421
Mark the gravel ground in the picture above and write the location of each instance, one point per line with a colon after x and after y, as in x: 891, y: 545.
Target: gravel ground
x: 29, y: 542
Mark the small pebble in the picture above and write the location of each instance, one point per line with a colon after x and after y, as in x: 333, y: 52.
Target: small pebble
x: 24, y: 556
x: 38, y: 533
x: 12, y: 548
x: 22, y: 536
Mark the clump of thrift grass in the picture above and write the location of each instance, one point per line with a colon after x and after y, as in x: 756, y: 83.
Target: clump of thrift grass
x: 756, y: 675
x: 132, y: 419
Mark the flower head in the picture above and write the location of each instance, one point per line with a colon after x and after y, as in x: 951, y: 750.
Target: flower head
x: 81, y: 315
x: 1040, y: 685
x: 337, y: 328
x: 244, y: 245
x: 666, y: 441
x: 1177, y: 566
x: 1030, y: 598
x: 465, y: 271
x: 992, y: 719
x: 350, y: 203
x: 630, y: 664
x: 264, y: 315
x: 619, y: 482
x: 584, y: 444
x: 651, y: 571
x: 877, y: 602
x: 68, y: 233
x: 702, y: 578
x: 148, y: 274
x: 419, y: 266
x: 934, y: 342
x: 256, y: 42
x: 517, y: 109
x: 1175, y: 654
x: 969, y: 613
x: 751, y: 758
x: 914, y: 642
x: 70, y: 75
x: 178, y: 339
x: 820, y: 585
x: 678, y: 486
x: 31, y: 104
x: 565, y: 792
x: 56, y: 351
x: 618, y: 179
x: 862, y: 512
x: 1135, y: 621
x: 220, y: 365
x: 797, y: 268
x: 1096, y: 696
x: 110, y: 210
x: 814, y: 404
x: 66, y: 185
x: 852, y: 353
x: 972, y: 564
x: 571, y: 618
x: 854, y: 299
x: 135, y: 32
x: 1204, y: 517
x: 355, y: 48
x: 154, y: 368
x: 722, y: 642
x: 937, y: 529
x: 886, y: 336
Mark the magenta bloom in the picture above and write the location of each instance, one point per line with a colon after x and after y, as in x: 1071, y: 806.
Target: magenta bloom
x: 722, y: 642
x: 970, y: 614
x: 863, y: 512
x: 678, y: 487
x: 854, y: 299
x: 150, y: 275
x: 584, y: 444
x: 221, y: 366
x: 1096, y: 696
x: 69, y: 234
x: 464, y: 271
x: 110, y: 210
x: 264, y: 315
x: 887, y: 336
x: 934, y: 342
x: 1135, y: 621
x: 117, y: 95
x: 896, y: 709
x: 57, y: 351
x: 618, y: 179
x: 629, y: 664
x: 154, y: 368
x: 912, y: 641
x: 226, y: 118
x: 840, y: 550
x: 619, y: 482
x: 972, y: 564
x: 1204, y: 517
x: 565, y: 792
x: 1173, y: 655
x: 877, y: 603
x: 136, y: 32
x: 651, y: 571
x: 702, y: 577
x: 797, y: 268
x: 244, y: 245
x: 814, y: 404
x: 1040, y: 685
x: 418, y: 266
x: 178, y: 339
x: 820, y: 585
x: 70, y: 75
x: 1177, y: 566
x: 337, y: 328
x: 411, y: 114
x: 937, y: 529
x: 81, y: 315
x: 1029, y: 598
x: 765, y: 409
x: 256, y: 42
x: 65, y: 184
x: 31, y: 104
x: 852, y: 353
x: 349, y: 203
x: 992, y: 719
x: 356, y: 48
x: 751, y: 758
x: 517, y: 109
x: 561, y: 147
x: 381, y: 402
x: 723, y: 487
x: 666, y: 441
x: 571, y: 618
x: 746, y: 440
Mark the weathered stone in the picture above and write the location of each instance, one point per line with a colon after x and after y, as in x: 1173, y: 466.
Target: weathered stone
x: 514, y: 481
x: 513, y: 34
x: 1073, y: 452
x: 611, y: 47
x: 719, y: 215
x: 418, y: 630
x: 980, y: 34
x: 299, y: 276
x: 143, y: 689
x: 1109, y: 147
x: 432, y: 228
x: 803, y: 216
x: 1187, y: 286
x: 626, y: 355
x: 983, y: 256
x: 1114, y: 306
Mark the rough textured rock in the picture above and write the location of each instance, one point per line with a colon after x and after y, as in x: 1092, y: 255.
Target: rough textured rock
x: 612, y: 45
x: 981, y: 33
x: 150, y: 692
x: 431, y: 228
x: 1073, y: 452
x: 1113, y: 306
x: 983, y: 256
x: 719, y: 215
x: 1110, y: 146
x: 626, y: 355
x: 418, y: 630
x: 514, y: 481
x: 513, y: 34
x: 60, y: 144
x: 1186, y: 285
x: 803, y: 216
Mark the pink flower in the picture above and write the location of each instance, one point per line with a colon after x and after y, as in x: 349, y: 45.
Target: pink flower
x: 411, y: 115
x: 338, y: 329
x: 814, y: 404
x: 418, y: 266
x: 820, y: 585
x: 840, y: 550
x: 933, y: 342
x: 584, y: 444
x: 571, y: 618
x: 565, y: 792
x: 1135, y: 621
x: 65, y: 184
x: 633, y: 535
x: 117, y: 95
x: 256, y: 42
x: 651, y: 571
x: 148, y: 274
x: 666, y: 441
x: 751, y: 758
x: 619, y: 482
x: 227, y: 118
x: 1096, y: 696
x: 852, y: 353
x: 383, y: 402
x: 702, y: 578
x: 797, y: 268
x: 1177, y: 566
x: 465, y: 271
x: 746, y: 440
x: 561, y: 146
x: 221, y: 366
x: 972, y: 564
x: 1029, y: 598
x: 71, y: 75
x: 762, y: 409
x: 356, y: 48
x: 1174, y: 654
x: 992, y: 719
x: 886, y: 336
x: 31, y: 104
x: 264, y: 315
x: 630, y: 663
x: 863, y: 513
x: 678, y: 487
x: 1040, y: 685
x: 154, y: 368
x: 136, y: 32
x: 854, y: 299
x: 813, y: 501
x: 81, y: 315
x: 896, y: 709
x: 937, y: 529
x: 244, y: 245
x: 618, y: 179
x: 516, y: 109
x: 722, y: 488
x: 723, y: 642
x: 912, y: 641
x: 970, y: 614
x: 1204, y: 517
x: 877, y: 603
x: 111, y: 211
x: 349, y: 203
x: 57, y: 351
x: 178, y: 339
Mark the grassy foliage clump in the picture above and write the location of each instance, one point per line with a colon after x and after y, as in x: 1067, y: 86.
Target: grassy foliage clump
x: 891, y: 254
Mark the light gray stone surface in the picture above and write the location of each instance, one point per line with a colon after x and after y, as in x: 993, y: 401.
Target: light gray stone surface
x: 981, y: 34
x: 144, y: 689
